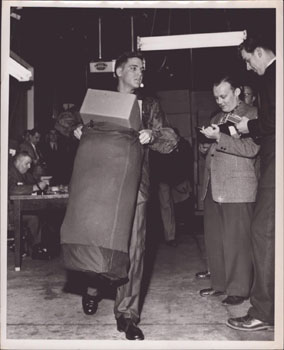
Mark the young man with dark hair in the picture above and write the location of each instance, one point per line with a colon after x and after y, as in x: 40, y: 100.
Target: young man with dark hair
x: 154, y: 134
x: 259, y: 56
x: 249, y: 95
x: 129, y: 71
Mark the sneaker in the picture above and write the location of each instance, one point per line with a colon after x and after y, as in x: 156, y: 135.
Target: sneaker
x: 248, y: 323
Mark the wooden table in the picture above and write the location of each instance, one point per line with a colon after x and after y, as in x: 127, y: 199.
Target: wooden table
x: 22, y: 203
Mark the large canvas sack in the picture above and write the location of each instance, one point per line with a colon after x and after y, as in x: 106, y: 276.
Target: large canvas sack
x: 97, y: 226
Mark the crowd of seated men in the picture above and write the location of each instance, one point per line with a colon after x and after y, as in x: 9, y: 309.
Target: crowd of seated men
x: 32, y: 159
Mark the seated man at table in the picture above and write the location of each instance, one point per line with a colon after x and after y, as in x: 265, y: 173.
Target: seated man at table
x: 21, y: 182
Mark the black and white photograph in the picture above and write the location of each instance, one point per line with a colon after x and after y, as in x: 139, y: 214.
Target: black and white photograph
x: 142, y: 175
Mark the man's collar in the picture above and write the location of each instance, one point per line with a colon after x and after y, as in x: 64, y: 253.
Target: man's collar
x: 239, y: 104
x: 271, y: 61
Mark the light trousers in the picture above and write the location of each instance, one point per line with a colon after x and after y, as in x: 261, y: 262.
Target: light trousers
x: 167, y: 211
x: 128, y: 295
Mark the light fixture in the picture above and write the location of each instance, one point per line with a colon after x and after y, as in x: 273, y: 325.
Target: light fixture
x: 18, y: 71
x: 16, y: 16
x: 101, y: 66
x: 190, y: 41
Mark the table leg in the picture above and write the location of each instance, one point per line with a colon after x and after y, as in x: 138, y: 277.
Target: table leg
x: 17, y: 214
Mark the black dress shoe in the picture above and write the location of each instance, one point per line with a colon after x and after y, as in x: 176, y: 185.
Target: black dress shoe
x: 233, y: 300
x: 132, y: 332
x: 203, y: 275
x: 90, y: 303
x: 210, y: 292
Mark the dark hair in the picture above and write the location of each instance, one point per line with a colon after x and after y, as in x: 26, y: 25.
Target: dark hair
x: 253, y: 90
x: 122, y: 59
x: 26, y: 132
x: 257, y: 40
x: 252, y: 87
x: 227, y: 78
x: 34, y: 131
x: 22, y: 154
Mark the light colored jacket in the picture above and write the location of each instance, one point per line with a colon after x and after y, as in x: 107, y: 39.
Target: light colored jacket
x: 230, y: 164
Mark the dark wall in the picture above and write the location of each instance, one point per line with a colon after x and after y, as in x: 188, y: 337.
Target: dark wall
x: 60, y: 43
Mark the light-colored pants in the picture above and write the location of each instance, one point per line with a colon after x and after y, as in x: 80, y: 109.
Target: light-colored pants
x: 128, y: 295
x: 167, y: 211
x: 168, y: 196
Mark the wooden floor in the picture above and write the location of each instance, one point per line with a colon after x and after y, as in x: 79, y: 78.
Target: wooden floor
x: 43, y: 314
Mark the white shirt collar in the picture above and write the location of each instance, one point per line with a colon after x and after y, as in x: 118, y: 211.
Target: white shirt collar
x: 140, y: 107
x: 271, y: 61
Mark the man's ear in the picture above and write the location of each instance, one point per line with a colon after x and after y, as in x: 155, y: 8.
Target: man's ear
x: 118, y: 71
x: 259, y: 51
x: 237, y: 92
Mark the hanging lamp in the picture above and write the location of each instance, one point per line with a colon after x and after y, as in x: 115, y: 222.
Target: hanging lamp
x: 101, y: 66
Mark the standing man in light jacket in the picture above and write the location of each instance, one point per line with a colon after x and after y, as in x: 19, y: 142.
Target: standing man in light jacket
x: 258, y: 53
x: 229, y: 190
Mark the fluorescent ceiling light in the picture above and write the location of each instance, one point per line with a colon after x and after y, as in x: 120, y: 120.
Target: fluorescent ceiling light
x: 190, y: 41
x: 18, y: 71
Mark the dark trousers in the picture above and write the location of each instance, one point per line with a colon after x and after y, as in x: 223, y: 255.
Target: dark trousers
x: 128, y: 295
x: 263, y: 244
x: 32, y: 222
x: 228, y: 245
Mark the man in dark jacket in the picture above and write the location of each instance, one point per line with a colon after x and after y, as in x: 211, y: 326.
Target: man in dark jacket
x: 259, y: 57
x: 155, y: 134
x: 30, y: 145
x: 56, y: 157
x: 20, y: 182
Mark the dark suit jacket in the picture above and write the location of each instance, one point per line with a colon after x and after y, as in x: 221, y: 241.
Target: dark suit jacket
x: 263, y: 128
x: 55, y: 162
x: 38, y: 166
x: 27, y: 147
x: 164, y: 138
x: 19, y: 183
